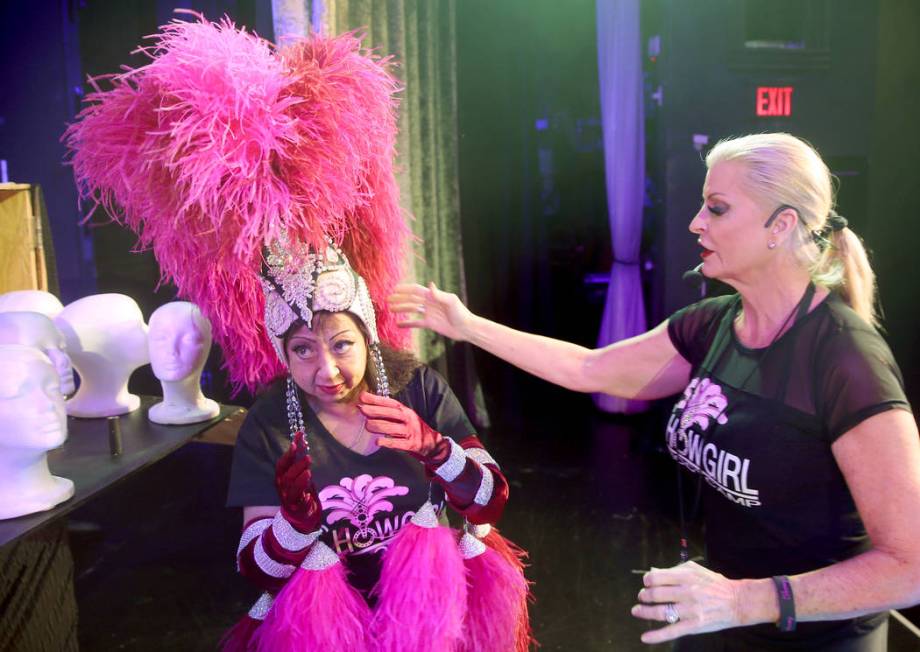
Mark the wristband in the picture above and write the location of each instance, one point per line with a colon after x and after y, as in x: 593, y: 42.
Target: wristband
x: 269, y: 566
x: 786, y: 622
x: 289, y: 537
x: 256, y: 528
x: 482, y: 456
x: 484, y: 494
x: 454, y: 464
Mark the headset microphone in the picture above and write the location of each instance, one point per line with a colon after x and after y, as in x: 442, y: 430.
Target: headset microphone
x: 694, y: 276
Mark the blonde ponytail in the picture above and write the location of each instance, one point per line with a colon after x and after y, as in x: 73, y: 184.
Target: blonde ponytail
x: 845, y: 262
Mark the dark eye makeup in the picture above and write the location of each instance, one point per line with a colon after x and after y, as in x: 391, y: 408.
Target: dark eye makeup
x: 342, y: 345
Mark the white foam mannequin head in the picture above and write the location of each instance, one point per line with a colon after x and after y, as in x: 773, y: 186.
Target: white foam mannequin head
x: 106, y: 339
x: 37, y: 330
x: 32, y: 422
x: 31, y: 301
x: 179, y: 341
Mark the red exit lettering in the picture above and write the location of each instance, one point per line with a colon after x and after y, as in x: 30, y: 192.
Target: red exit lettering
x: 774, y: 100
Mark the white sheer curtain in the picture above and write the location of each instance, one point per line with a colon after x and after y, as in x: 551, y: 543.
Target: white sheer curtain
x: 619, y: 52
x: 294, y: 18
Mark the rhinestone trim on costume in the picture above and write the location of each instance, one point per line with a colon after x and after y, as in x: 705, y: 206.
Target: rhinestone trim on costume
x: 278, y: 314
x: 268, y: 565
x: 336, y: 292
x: 484, y: 495
x: 297, y: 283
x: 482, y: 456
x: 470, y: 546
x: 367, y: 309
x: 425, y: 516
x: 478, y: 530
x: 290, y: 538
x: 453, y: 465
x: 260, y: 608
x: 320, y: 558
x: 255, y: 529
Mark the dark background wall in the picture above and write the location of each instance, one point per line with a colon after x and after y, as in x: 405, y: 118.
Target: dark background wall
x: 854, y: 68
x: 532, y: 190
x: 48, y: 49
x: 894, y: 203
x: 42, y: 87
x: 532, y: 194
x: 707, y: 78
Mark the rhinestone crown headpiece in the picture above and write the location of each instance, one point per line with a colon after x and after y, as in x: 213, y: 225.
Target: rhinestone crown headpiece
x: 299, y: 282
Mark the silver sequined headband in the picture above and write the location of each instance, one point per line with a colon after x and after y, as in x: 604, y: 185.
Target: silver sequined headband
x: 299, y: 282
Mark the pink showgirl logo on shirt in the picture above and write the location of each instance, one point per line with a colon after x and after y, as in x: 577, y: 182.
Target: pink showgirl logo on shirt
x: 359, y: 500
x: 702, y: 406
x: 702, y: 400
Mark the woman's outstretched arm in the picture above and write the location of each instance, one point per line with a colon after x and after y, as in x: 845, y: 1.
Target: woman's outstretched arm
x: 646, y: 366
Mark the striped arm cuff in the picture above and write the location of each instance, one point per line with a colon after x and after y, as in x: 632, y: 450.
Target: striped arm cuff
x: 453, y: 465
x: 255, y: 529
x: 268, y: 565
x: 486, y: 486
x: 288, y: 537
x: 482, y: 456
x: 260, y: 608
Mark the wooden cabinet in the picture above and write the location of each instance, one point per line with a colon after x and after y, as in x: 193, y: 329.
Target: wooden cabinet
x: 22, y: 259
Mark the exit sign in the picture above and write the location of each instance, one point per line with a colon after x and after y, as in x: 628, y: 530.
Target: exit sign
x: 774, y: 100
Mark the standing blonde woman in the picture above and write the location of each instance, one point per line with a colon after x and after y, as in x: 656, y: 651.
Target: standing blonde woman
x: 793, y: 422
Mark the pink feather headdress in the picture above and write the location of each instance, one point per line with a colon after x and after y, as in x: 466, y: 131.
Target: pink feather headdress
x: 221, y: 145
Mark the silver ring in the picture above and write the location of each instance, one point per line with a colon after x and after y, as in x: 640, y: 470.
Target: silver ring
x: 670, y: 613
x: 420, y: 308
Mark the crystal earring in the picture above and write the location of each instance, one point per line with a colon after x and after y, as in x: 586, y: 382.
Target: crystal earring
x: 771, y: 245
x: 383, y: 381
x: 295, y: 413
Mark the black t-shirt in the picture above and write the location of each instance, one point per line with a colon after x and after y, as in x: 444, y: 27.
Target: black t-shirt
x: 757, y: 429
x: 366, y: 499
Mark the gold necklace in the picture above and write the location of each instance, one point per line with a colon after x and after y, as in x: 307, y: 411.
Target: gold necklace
x: 359, y: 436
x: 338, y: 432
x: 334, y: 427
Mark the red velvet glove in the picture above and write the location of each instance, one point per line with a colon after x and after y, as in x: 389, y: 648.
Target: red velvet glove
x: 403, y: 429
x: 300, y: 504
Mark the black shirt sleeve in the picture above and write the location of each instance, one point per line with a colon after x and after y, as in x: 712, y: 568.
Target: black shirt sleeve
x: 857, y: 377
x: 432, y: 398
x: 693, y: 328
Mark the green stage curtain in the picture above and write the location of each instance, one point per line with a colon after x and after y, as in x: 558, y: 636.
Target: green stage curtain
x: 421, y: 35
